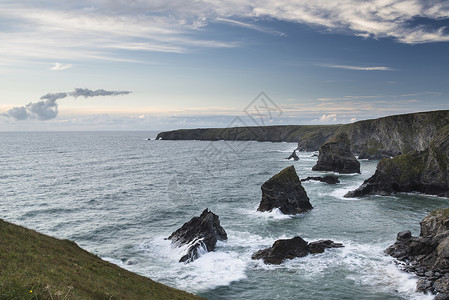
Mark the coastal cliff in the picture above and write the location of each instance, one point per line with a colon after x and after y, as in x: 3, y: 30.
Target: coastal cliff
x: 373, y: 139
x: 394, y: 135
x: 311, y: 137
x: 424, y: 171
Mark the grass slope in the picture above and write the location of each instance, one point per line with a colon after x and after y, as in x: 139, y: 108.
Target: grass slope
x: 36, y: 266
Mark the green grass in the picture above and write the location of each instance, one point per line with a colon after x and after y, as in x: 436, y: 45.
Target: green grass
x: 36, y: 266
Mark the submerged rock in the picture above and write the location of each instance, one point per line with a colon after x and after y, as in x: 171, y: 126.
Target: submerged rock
x: 284, y: 191
x: 327, y: 179
x: 335, y: 155
x: 428, y: 254
x: 292, y: 248
x: 200, y: 233
x: 420, y: 171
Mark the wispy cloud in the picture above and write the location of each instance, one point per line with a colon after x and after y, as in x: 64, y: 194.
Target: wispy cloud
x: 359, y: 68
x: 60, y: 67
x: 252, y: 26
x: 98, y: 29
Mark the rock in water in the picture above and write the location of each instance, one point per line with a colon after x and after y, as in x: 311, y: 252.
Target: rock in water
x: 420, y: 171
x: 428, y: 254
x: 327, y: 179
x: 200, y: 233
x: 335, y: 155
x: 293, y: 155
x: 284, y: 191
x: 291, y: 248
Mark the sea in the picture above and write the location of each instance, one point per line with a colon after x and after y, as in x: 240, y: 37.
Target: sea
x: 119, y: 195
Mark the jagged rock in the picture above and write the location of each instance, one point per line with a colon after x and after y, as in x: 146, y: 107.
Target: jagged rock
x: 284, y: 191
x: 200, y: 233
x: 291, y: 248
x: 335, y: 155
x: 428, y: 254
x: 327, y: 179
x: 293, y: 155
x: 420, y: 171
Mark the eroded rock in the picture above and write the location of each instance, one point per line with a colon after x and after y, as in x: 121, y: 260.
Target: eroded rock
x: 200, y: 234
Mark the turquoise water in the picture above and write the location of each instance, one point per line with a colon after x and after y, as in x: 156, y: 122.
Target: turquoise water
x: 119, y: 195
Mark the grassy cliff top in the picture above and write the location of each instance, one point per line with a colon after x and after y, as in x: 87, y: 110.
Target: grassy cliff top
x: 36, y: 266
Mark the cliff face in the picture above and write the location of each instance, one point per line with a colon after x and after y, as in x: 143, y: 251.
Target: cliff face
x: 311, y: 137
x: 394, y: 135
x: 372, y: 139
x: 421, y: 171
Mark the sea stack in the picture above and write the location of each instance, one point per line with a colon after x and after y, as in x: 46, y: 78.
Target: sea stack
x: 200, y: 233
x: 284, y: 191
x: 335, y: 155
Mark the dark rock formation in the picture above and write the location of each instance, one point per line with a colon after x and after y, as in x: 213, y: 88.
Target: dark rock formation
x: 199, y: 233
x: 390, y: 136
x: 327, y: 179
x: 291, y: 248
x: 293, y: 155
x: 428, y: 254
x: 284, y: 191
x: 335, y: 155
x: 420, y: 171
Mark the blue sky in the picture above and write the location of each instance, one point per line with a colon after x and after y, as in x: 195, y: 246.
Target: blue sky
x: 201, y: 63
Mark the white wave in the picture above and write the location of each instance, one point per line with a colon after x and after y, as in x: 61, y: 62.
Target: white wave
x: 340, y: 192
x: 210, y: 270
x: 372, y: 267
x: 273, y: 214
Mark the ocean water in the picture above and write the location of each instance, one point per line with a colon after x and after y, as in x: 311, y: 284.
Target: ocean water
x: 118, y: 195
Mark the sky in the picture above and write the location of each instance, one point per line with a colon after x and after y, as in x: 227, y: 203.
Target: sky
x: 162, y: 65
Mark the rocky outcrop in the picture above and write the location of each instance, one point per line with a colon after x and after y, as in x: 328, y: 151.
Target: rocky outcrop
x: 284, y: 191
x: 327, y: 179
x: 310, y: 137
x: 335, y: 155
x: 293, y: 155
x: 200, y: 234
x: 417, y: 171
x: 428, y: 254
x: 292, y: 248
x: 394, y: 135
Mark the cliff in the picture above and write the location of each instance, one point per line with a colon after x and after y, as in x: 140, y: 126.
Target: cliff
x: 311, y: 137
x: 36, y: 266
x: 394, y: 135
x: 424, y: 171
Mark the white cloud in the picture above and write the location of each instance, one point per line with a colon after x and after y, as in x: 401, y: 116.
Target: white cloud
x: 328, y: 118
x: 360, y: 68
x: 60, y: 67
